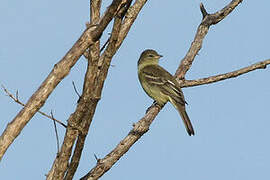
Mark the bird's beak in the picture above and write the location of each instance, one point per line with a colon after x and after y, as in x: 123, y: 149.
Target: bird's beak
x: 160, y: 56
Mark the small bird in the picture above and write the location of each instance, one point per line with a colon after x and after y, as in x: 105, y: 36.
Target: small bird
x: 161, y: 86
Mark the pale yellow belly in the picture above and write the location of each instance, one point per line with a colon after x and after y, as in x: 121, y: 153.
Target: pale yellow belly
x: 155, y: 93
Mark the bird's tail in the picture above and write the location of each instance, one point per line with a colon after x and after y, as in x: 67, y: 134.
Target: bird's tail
x: 182, y: 111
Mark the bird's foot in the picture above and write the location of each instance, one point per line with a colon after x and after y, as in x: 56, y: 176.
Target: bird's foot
x: 154, y: 104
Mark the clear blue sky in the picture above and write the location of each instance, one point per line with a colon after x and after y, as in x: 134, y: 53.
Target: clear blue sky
x: 231, y: 118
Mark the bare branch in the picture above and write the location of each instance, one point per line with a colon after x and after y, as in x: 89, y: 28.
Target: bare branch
x: 203, y: 11
x: 82, y: 117
x: 110, y: 50
x: 208, y: 20
x: 89, y: 83
x: 220, y: 77
x: 130, y: 17
x: 75, y: 157
x: 81, y: 114
x: 16, y: 99
x: 140, y: 128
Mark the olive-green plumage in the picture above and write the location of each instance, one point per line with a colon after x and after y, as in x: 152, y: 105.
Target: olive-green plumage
x: 161, y: 86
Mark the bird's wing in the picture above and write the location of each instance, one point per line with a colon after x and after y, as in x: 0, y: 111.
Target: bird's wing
x: 167, y: 84
x: 172, y: 89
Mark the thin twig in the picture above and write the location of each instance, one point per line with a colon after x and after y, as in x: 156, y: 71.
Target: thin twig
x: 17, y: 94
x: 97, y: 159
x: 75, y: 89
x: 104, y: 45
x: 203, y: 11
x: 16, y: 99
x: 56, y: 134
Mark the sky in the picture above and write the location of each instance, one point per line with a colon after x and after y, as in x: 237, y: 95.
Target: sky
x: 230, y: 118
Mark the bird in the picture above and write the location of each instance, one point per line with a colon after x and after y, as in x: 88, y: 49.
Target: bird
x: 161, y: 86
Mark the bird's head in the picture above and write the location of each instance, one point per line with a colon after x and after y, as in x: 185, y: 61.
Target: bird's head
x: 149, y: 57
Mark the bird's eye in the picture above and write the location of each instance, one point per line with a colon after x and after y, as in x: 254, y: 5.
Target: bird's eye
x: 151, y: 55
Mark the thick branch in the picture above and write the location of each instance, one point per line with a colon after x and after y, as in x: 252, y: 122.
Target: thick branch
x: 80, y: 120
x: 130, y: 17
x: 220, y: 77
x: 82, y: 117
x: 142, y: 126
x: 81, y: 114
x: 110, y: 51
x: 89, y: 83
x: 106, y: 57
